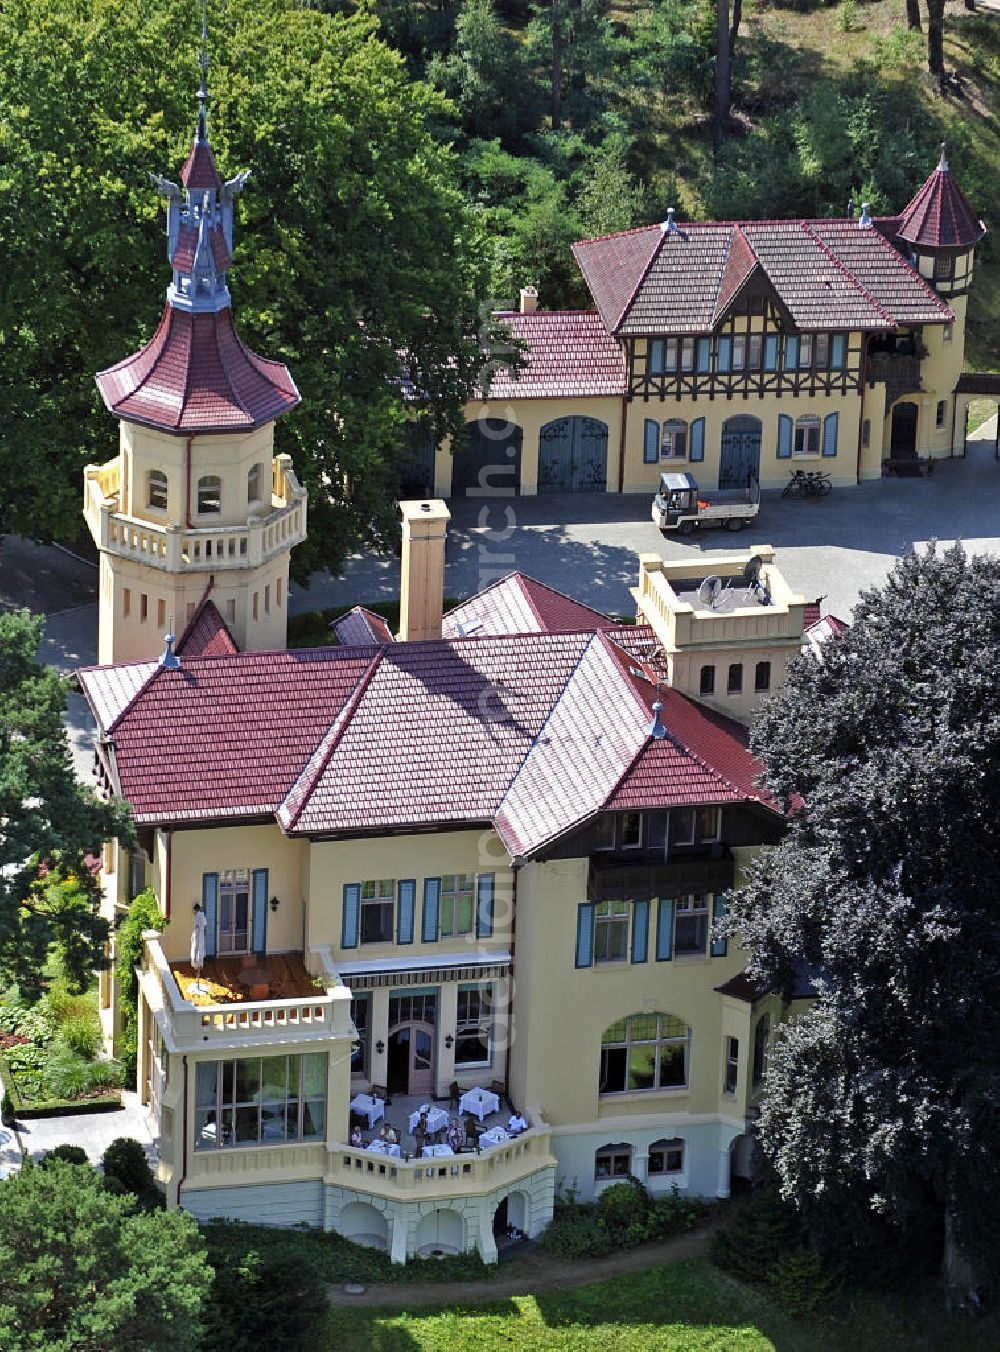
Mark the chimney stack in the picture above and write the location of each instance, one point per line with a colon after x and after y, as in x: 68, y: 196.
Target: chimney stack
x: 421, y: 591
x: 529, y: 299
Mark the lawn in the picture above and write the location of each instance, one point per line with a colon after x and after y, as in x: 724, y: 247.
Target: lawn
x: 688, y: 1306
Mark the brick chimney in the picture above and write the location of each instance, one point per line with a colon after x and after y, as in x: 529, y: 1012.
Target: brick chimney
x: 421, y: 590
x: 529, y: 299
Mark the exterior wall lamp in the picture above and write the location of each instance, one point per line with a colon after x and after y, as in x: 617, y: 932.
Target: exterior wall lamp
x: 449, y: 1042
x: 274, y: 903
x: 379, y: 1047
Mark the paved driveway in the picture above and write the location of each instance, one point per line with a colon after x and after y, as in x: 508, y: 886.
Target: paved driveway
x: 587, y: 546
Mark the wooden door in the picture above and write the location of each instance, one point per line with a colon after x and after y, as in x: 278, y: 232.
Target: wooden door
x: 740, y: 458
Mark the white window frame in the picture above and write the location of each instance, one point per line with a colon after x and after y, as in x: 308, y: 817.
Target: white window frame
x: 455, y: 895
x: 234, y: 883
x: 382, y: 894
x: 611, y: 931
x: 806, y: 435
x: 665, y: 1149
x: 668, y: 1036
x: 695, y: 906
x: 469, y: 1025
x: 731, y: 1070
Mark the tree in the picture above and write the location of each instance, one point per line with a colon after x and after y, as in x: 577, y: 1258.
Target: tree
x: 353, y: 245
x: 935, y: 39
x: 44, y: 812
x: 576, y: 39
x: 611, y: 199
x: 913, y: 15
x: 723, y: 72
x: 881, y: 1108
x: 81, y: 1270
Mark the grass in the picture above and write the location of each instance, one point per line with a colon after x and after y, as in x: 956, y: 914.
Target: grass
x: 687, y: 1306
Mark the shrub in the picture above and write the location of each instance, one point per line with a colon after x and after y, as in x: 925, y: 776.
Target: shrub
x: 60, y: 1004
x: 757, y: 1231
x: 66, y: 1075
x: 623, y: 1204
x: 7, y: 1114
x: 673, y: 1214
x: 125, y: 1159
x: 577, y: 1232
x: 278, y: 1298
x: 800, y: 1284
x: 81, y: 1034
x: 71, y: 1154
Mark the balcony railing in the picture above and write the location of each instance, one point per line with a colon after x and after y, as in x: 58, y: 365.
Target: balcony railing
x: 188, y: 1027
x: 177, y: 548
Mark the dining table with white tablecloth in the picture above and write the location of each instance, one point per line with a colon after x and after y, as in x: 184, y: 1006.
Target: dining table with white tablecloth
x: 495, y: 1136
x: 383, y: 1148
x: 479, y: 1102
x: 368, y: 1106
x: 437, y: 1119
x: 430, y: 1152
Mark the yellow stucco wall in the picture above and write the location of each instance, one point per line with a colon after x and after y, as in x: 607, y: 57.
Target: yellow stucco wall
x: 227, y: 457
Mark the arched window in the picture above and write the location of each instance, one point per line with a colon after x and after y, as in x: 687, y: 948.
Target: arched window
x: 645, y: 1051
x: 156, y: 490
x: 806, y: 435
x: 613, y: 1161
x: 209, y: 494
x: 666, y: 1157
x: 761, y: 1040
x: 253, y: 483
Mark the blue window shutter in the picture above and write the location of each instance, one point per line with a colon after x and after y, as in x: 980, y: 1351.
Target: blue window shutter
x: 771, y: 352
x: 585, y: 934
x: 791, y: 352
x: 657, y: 349
x: 698, y: 439
x: 650, y: 442
x: 209, y: 904
x: 665, y: 930
x: 406, y: 892
x: 830, y: 425
x: 704, y: 355
x: 784, y: 436
x: 432, y: 896
x: 725, y: 354
x: 640, y: 931
x: 484, y: 905
x: 838, y: 349
x: 352, y: 916
x: 720, y: 947
x: 259, y: 943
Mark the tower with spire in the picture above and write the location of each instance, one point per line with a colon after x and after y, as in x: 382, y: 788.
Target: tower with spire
x: 196, y: 507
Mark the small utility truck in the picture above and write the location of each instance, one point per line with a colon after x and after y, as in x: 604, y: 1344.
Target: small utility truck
x: 681, y: 505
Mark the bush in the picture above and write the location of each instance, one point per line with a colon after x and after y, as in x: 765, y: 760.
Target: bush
x: 7, y: 1113
x: 673, y: 1214
x: 757, y: 1232
x: 81, y: 1034
x: 800, y: 1284
x: 71, y: 1154
x: 67, y: 1075
x: 125, y: 1159
x: 278, y: 1298
x: 623, y: 1204
x: 577, y: 1232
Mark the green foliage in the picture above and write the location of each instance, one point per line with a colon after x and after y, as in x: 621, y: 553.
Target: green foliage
x: 82, y: 1270
x: 70, y: 897
x: 125, y: 1159
x: 800, y: 1284
x: 46, y: 813
x: 81, y: 1036
x: 847, y: 16
x: 756, y: 1232
x: 68, y: 1075
x: 143, y: 914
x: 621, y: 1204
x: 69, y: 1154
x: 277, y: 1295
x: 7, y: 1110
x: 623, y: 1217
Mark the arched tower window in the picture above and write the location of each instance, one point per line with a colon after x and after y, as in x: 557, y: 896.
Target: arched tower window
x: 254, y: 474
x: 156, y: 490
x: 645, y: 1051
x: 209, y: 494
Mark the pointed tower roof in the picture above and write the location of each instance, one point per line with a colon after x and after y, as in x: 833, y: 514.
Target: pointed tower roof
x: 939, y: 216
x: 196, y: 375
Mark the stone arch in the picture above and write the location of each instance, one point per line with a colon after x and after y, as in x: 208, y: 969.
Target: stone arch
x: 439, y: 1232
x: 360, y: 1222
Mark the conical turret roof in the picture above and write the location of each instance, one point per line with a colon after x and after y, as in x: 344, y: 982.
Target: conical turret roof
x: 939, y: 216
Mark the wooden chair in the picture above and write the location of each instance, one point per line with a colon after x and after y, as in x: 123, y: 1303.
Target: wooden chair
x: 500, y: 1089
x: 454, y: 1093
x: 379, y: 1091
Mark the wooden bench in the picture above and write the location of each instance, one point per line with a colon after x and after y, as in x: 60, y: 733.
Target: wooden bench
x: 908, y: 466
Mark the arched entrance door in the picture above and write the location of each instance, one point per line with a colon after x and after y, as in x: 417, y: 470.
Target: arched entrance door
x: 740, y: 458
x: 903, y: 435
x: 490, y: 464
x: 573, y: 456
x: 410, y: 1058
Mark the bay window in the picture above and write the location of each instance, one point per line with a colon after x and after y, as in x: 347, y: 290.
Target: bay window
x: 260, y: 1100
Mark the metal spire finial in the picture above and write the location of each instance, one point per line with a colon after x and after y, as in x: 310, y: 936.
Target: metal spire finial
x: 203, y: 88
x: 943, y: 161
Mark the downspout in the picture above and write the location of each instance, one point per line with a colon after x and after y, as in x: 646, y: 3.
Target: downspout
x: 621, y: 445
x: 166, y: 881
x: 187, y: 483
x: 863, y: 369
x: 184, y: 1130
x: 515, y: 870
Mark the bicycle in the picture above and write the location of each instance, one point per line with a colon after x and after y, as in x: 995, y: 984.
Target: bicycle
x: 807, y: 483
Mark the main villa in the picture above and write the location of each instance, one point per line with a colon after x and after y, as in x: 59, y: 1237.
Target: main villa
x: 462, y: 879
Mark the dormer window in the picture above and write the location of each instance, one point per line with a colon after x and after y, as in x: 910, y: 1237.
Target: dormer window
x: 156, y: 490
x: 209, y: 495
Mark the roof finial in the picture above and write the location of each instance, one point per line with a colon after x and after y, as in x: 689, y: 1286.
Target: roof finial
x: 203, y: 87
x: 669, y: 226
x: 168, y: 658
x: 943, y: 161
x: 865, y: 221
x: 657, y: 729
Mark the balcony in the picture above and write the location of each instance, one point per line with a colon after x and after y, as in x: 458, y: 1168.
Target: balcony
x: 704, y: 870
x: 310, y: 1004
x: 898, y: 371
x: 178, y: 549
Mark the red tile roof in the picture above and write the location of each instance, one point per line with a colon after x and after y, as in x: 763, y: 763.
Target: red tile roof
x: 195, y: 375
x: 518, y: 604
x: 361, y: 626
x: 569, y: 352
x: 828, y: 274
x: 206, y: 634
x: 200, y: 171
x: 939, y: 216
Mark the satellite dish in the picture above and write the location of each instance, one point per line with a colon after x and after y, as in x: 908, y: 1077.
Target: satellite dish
x: 751, y: 570
x: 708, y: 592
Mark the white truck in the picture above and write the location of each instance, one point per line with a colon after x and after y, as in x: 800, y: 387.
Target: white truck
x: 681, y: 505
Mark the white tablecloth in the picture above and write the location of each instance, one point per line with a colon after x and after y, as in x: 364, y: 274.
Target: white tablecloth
x: 495, y: 1136
x: 479, y: 1102
x: 430, y: 1151
x: 373, y: 1108
x: 383, y: 1148
x: 437, y: 1119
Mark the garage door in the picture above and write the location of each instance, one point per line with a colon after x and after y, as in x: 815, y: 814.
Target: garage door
x: 489, y: 465
x: 573, y: 456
